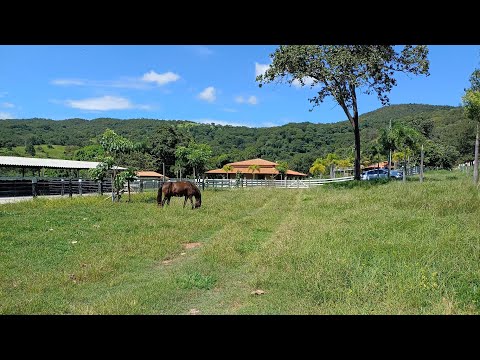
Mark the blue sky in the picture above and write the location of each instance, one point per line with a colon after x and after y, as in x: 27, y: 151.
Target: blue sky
x: 209, y: 83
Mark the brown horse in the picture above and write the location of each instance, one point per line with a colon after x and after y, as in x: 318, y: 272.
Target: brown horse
x: 179, y: 188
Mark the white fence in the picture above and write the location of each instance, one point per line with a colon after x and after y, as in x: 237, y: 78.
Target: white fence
x: 141, y: 185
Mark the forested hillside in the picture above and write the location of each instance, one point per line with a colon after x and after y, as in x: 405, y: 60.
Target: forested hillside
x: 299, y: 144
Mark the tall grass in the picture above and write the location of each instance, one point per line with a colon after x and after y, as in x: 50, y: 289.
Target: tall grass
x: 361, y: 248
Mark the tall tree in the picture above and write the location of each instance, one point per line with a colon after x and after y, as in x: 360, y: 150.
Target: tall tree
x: 342, y: 70
x: 194, y: 155
x: 406, y: 141
x: 282, y: 168
x: 162, y: 145
x: 471, y: 102
x: 113, y: 146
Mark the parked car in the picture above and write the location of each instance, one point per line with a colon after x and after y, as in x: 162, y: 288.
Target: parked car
x: 375, y: 174
x: 396, y: 174
x: 381, y: 174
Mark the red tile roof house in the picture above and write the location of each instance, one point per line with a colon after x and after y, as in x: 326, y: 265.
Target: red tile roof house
x: 266, y: 170
x: 150, y: 175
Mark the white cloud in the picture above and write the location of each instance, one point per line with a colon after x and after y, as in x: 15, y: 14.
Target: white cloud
x: 160, y: 79
x: 66, y: 82
x: 260, y: 68
x: 307, y: 80
x: 101, y: 103
x: 8, y: 105
x: 252, y: 100
x: 3, y: 93
x: 208, y: 94
x: 239, y: 99
x: 230, y: 110
x: 5, y: 115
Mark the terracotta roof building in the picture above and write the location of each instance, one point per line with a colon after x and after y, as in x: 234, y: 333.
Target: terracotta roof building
x: 266, y: 170
x: 150, y: 175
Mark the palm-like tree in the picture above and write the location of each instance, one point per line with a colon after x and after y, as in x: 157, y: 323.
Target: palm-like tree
x: 282, y: 168
x: 227, y: 169
x: 406, y: 141
x: 254, y: 168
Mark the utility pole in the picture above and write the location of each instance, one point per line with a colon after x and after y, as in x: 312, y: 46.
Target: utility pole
x: 389, y: 154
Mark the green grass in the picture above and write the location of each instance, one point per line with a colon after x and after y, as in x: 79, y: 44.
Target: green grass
x: 361, y: 248
x: 42, y: 151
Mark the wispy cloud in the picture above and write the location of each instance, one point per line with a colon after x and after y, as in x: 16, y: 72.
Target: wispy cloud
x: 128, y: 83
x: 6, y: 115
x: 219, y: 122
x: 67, y: 82
x: 160, y: 79
x: 144, y: 82
x: 201, y: 50
x: 307, y: 81
x: 252, y: 100
x: 3, y: 94
x: 101, y: 103
x: 208, y: 94
x: 260, y: 69
x: 8, y: 105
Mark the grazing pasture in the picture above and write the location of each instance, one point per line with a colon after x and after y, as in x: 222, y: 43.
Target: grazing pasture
x: 351, y: 248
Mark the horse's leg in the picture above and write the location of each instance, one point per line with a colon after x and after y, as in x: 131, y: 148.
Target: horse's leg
x: 191, y: 201
x: 185, y: 201
x: 168, y: 201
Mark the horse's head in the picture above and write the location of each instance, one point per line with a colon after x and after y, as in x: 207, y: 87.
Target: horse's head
x: 198, y: 199
x: 198, y: 202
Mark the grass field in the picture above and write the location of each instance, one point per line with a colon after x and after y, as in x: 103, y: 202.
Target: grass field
x: 368, y: 248
x: 42, y: 151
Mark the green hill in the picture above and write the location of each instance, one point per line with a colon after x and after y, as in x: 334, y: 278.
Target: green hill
x: 297, y: 143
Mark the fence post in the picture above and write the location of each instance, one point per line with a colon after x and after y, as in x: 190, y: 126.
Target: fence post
x: 80, y: 186
x: 141, y: 185
x: 62, y: 191
x: 203, y: 183
x: 100, y: 190
x: 70, y: 187
x: 34, y: 187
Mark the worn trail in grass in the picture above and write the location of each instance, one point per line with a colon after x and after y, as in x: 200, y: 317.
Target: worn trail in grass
x: 351, y: 249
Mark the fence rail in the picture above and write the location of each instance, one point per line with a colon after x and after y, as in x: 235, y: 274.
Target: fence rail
x: 142, y: 185
x: 12, y: 187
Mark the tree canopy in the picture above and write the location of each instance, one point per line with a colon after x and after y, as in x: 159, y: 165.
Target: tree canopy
x: 341, y: 71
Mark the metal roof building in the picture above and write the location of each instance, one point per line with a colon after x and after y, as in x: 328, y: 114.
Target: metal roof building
x: 24, y: 162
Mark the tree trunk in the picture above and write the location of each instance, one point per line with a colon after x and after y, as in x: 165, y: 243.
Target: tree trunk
x: 475, y: 164
x: 356, y: 131
x: 194, y: 172
x: 113, y: 187
x: 128, y: 184
x: 389, y: 162
x: 404, y: 168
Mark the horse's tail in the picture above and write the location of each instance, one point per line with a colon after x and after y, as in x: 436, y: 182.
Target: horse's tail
x: 159, y: 196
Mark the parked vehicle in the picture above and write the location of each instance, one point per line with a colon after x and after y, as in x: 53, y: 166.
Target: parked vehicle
x: 381, y: 174
x: 396, y: 174
x: 375, y: 174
